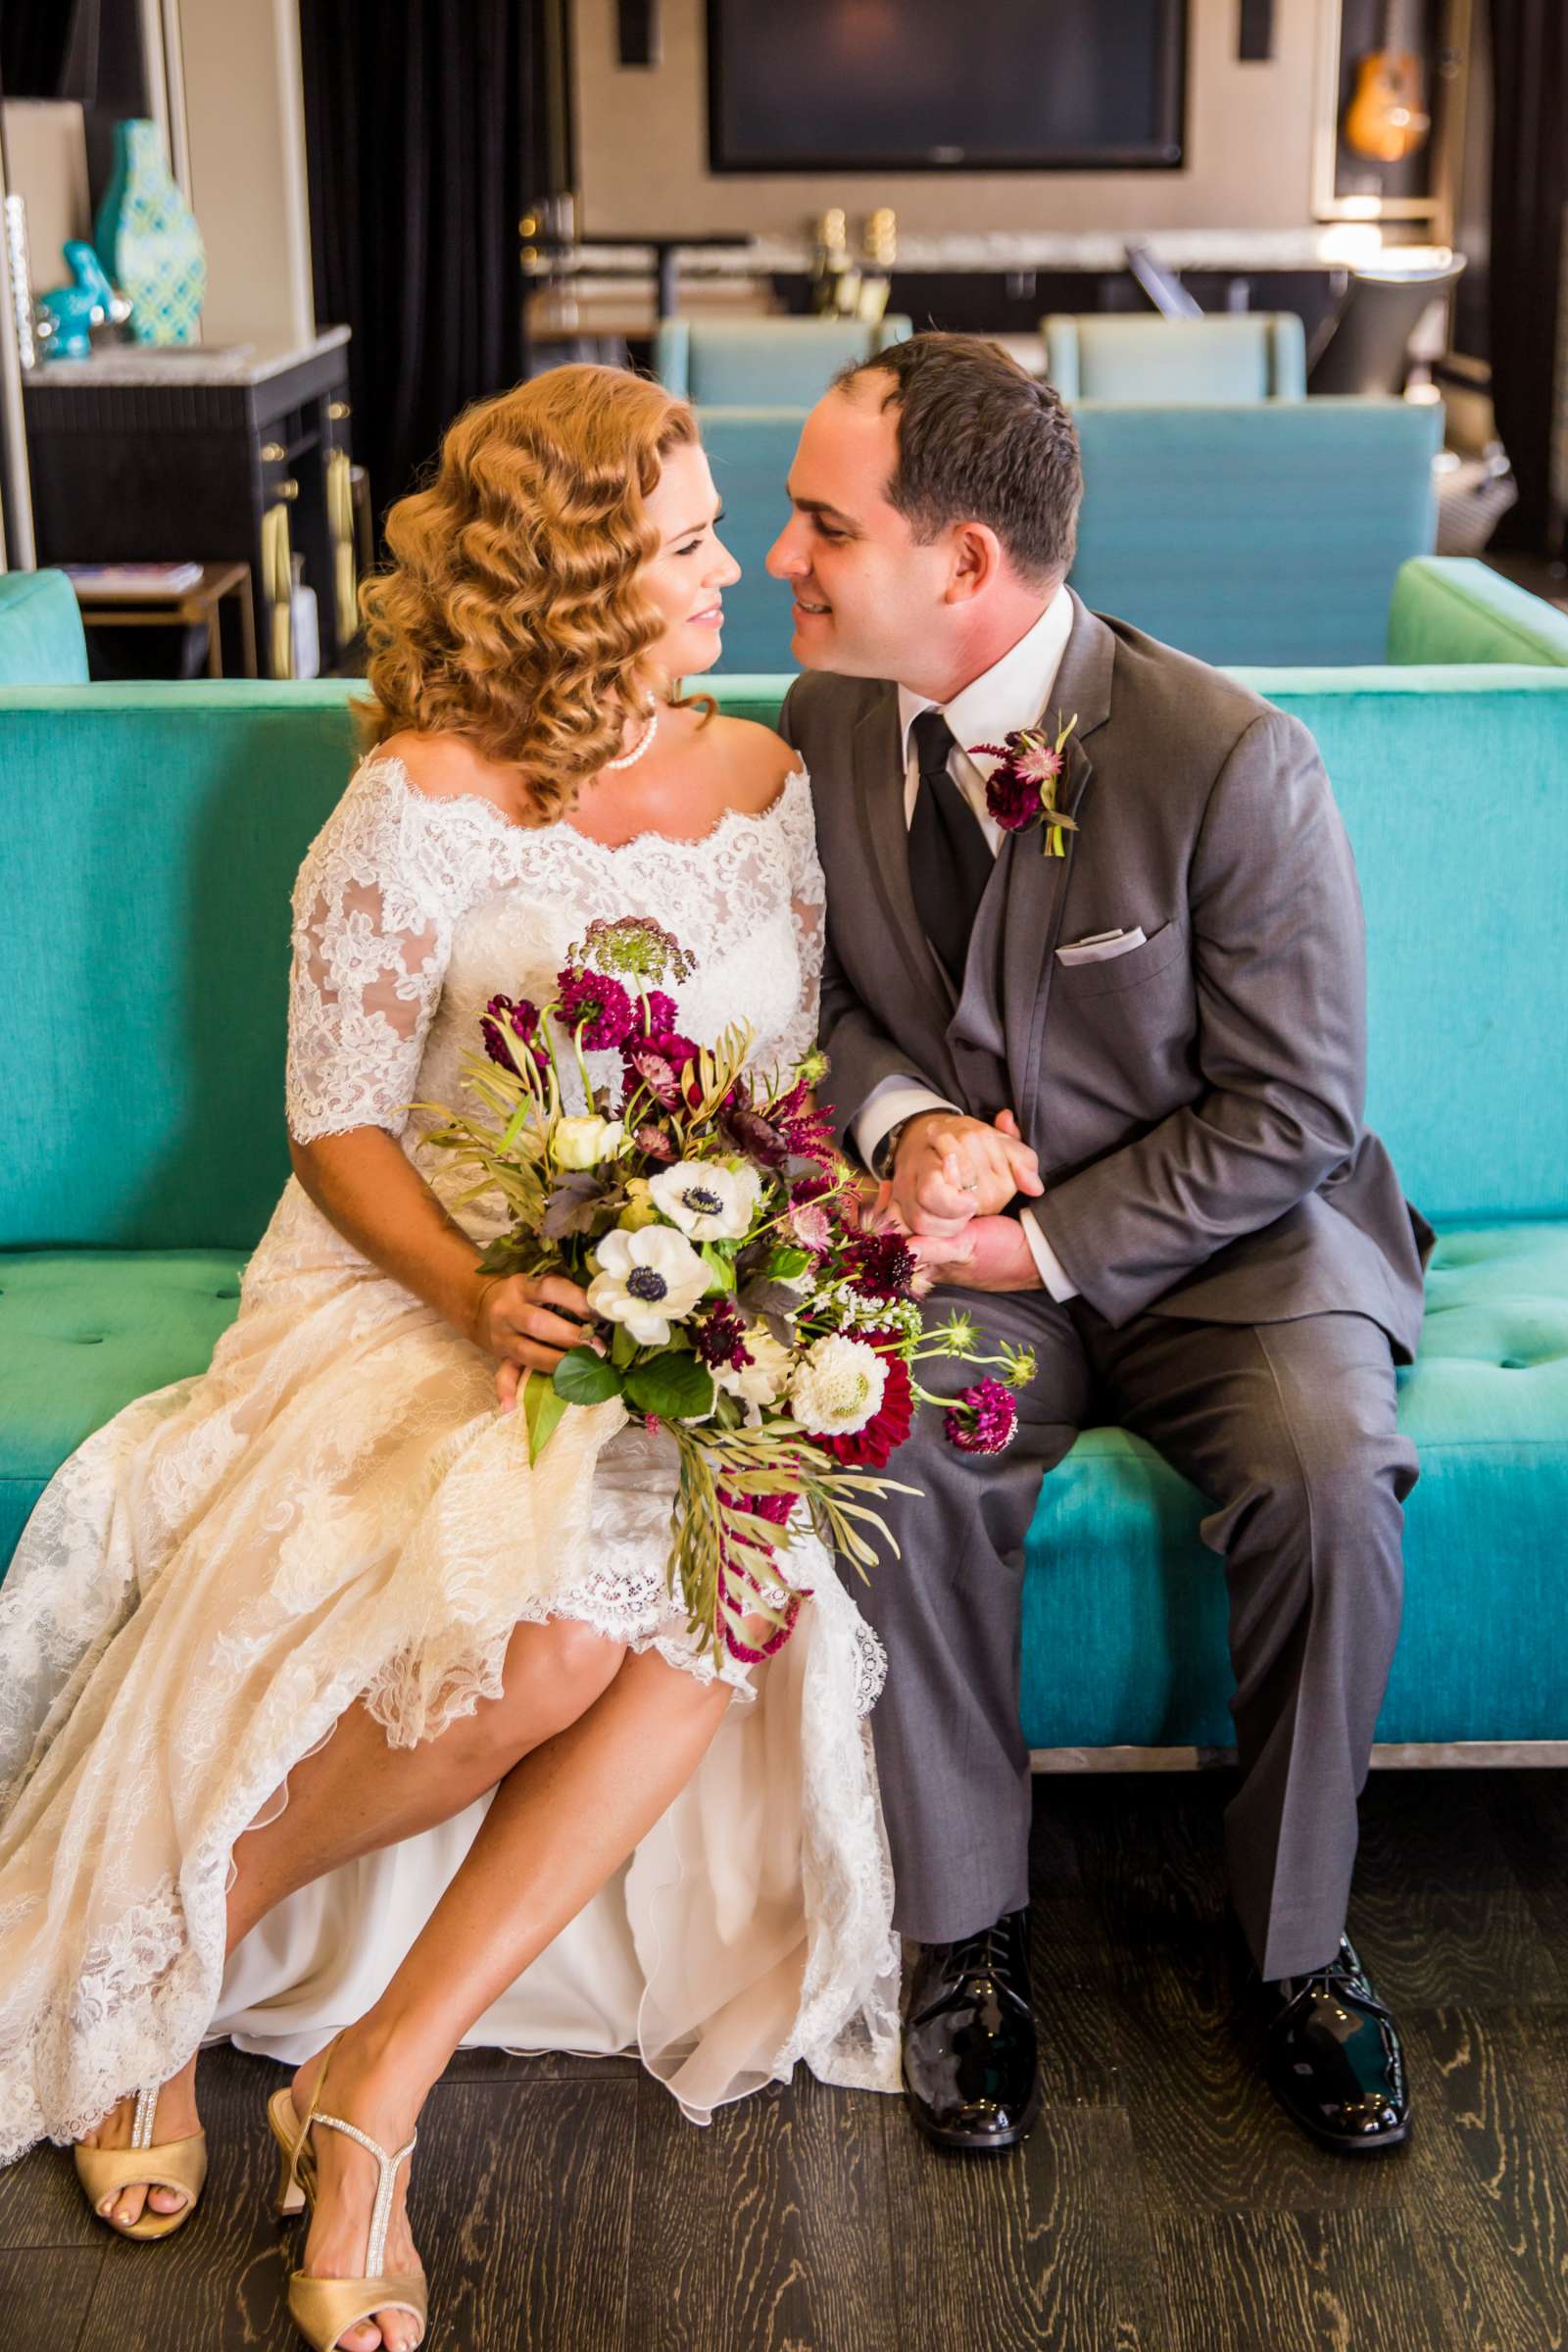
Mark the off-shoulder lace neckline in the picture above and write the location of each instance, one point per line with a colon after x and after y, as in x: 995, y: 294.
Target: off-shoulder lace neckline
x: 488, y: 810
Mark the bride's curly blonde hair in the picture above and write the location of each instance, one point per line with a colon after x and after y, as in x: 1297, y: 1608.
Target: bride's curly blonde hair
x: 509, y: 615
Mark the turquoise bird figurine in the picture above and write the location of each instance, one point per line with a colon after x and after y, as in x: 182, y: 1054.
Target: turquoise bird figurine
x: 73, y: 311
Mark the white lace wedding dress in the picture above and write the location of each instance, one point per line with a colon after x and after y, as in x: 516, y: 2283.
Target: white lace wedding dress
x: 336, y: 1509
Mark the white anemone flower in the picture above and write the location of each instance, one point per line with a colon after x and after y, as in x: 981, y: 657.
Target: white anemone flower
x: 646, y: 1280
x: 837, y: 1388
x: 761, y: 1381
x: 710, y: 1201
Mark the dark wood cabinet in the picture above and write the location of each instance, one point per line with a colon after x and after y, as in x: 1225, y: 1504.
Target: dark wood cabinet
x: 147, y: 456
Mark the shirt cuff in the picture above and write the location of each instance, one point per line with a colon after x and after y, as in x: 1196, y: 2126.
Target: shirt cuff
x: 886, y: 1105
x: 1053, y: 1273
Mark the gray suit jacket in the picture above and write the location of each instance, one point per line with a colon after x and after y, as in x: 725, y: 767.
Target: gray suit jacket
x: 1196, y: 1104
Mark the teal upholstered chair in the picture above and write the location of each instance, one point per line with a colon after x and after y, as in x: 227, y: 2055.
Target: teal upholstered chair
x: 1204, y: 363
x: 1269, y: 532
x: 1263, y: 533
x: 737, y: 361
x: 41, y: 641
x: 1452, y: 608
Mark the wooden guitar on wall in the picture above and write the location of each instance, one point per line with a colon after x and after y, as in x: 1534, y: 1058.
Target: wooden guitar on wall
x: 1386, y: 120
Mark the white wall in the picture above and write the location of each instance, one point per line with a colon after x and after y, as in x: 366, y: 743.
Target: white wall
x: 245, y: 117
x: 642, y: 143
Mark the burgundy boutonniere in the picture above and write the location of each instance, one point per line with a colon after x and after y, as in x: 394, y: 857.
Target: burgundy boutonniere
x: 1022, y: 791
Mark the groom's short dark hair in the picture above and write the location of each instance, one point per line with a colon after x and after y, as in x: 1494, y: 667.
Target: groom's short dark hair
x: 980, y: 440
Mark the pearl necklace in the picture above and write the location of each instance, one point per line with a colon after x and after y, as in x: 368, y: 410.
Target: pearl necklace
x: 631, y: 758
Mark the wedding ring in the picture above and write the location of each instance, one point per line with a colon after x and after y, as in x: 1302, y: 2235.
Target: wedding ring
x: 969, y: 1184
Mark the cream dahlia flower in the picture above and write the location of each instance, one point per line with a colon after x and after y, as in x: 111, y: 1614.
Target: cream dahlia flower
x: 838, y: 1387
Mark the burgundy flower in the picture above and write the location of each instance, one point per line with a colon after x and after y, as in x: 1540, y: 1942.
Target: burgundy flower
x: 740, y: 1582
x: 658, y: 1061
x: 869, y: 1448
x: 1012, y: 800
x: 816, y: 1187
x: 733, y: 1642
x: 984, y: 1419
x: 596, y: 1007
x: 720, y: 1337
x: 744, y: 1127
x: 810, y: 1136
x: 803, y: 1125
x: 880, y: 1265
x: 1021, y: 791
x: 775, y: 1508
x: 523, y: 1019
x: 662, y: 1013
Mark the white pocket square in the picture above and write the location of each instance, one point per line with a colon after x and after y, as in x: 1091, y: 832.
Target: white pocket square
x: 1102, y: 946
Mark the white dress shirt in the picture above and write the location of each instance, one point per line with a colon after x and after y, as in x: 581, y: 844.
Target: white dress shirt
x: 1011, y: 693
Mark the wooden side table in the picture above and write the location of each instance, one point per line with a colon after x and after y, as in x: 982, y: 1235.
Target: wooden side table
x: 164, y: 608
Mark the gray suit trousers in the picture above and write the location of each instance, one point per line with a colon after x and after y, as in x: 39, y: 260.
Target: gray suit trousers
x: 1288, y: 1430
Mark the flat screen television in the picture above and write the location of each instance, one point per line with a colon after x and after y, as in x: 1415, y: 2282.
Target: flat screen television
x: 945, y: 85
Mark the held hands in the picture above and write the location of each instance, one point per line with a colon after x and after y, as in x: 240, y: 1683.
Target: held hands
x: 950, y: 1168
x: 529, y: 1323
x: 989, y: 1254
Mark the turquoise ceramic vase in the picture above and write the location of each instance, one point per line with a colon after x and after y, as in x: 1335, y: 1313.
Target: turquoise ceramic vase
x: 148, y: 241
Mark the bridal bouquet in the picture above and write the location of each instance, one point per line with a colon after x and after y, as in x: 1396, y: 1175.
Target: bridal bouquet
x: 744, y: 1302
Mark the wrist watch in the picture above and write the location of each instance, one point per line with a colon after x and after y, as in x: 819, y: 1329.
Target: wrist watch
x: 887, y: 1151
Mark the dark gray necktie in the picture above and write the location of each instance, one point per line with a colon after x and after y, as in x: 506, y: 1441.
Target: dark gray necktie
x: 949, y: 858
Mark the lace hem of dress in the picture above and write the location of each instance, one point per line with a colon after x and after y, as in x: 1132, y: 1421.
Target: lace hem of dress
x: 142, y: 2000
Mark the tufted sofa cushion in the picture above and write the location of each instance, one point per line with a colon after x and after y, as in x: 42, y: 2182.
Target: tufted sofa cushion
x: 84, y: 1331
x: 1124, y: 1640
x: 1124, y: 1609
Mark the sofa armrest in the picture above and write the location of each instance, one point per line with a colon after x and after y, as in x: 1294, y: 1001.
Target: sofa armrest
x: 41, y: 641
x: 1453, y: 609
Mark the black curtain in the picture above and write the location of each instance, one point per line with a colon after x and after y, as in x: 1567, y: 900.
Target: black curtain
x: 422, y: 141
x: 1529, y: 195
x: 34, y: 42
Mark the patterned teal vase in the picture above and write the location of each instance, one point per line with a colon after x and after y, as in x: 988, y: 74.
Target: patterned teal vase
x: 148, y: 241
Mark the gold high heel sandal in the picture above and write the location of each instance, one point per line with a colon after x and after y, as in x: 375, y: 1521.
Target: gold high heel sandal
x: 325, y: 2309
x: 170, y: 2164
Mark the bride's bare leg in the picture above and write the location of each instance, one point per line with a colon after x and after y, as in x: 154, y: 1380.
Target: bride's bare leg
x: 562, y: 1821
x: 357, y: 1794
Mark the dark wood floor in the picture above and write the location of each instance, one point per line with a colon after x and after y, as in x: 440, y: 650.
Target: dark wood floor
x: 1163, y: 2204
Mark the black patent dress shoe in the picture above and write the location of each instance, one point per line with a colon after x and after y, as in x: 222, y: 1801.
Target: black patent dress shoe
x: 971, y: 2062
x: 1334, y: 2059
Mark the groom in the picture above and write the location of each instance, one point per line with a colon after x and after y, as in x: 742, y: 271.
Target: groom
x: 1118, y: 1092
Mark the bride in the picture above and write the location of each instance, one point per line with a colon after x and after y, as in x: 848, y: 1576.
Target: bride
x: 320, y: 1715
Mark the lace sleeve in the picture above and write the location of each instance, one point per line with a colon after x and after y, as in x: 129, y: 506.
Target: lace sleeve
x: 808, y: 911
x: 371, y: 939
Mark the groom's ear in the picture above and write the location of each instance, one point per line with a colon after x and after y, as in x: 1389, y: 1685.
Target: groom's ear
x: 978, y: 559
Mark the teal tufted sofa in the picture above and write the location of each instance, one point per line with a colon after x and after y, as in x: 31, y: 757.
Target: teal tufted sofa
x: 1268, y: 531
x: 152, y: 834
